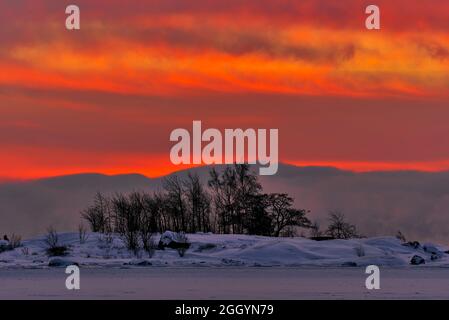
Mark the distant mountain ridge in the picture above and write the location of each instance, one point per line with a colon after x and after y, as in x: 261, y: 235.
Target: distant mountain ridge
x: 379, y: 203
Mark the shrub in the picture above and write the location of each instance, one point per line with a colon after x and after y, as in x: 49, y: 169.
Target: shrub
x: 181, y: 238
x: 57, y: 251
x: 181, y: 251
x: 107, y: 238
x: 360, y: 250
x: 15, y: 242
x: 82, y: 234
x: 52, y: 242
x: 401, y: 237
x: 149, y: 243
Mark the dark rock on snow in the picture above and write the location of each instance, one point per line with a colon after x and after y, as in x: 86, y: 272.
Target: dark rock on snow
x: 434, y: 257
x: 434, y: 251
x: 349, y: 264
x: 417, y: 260
x: 139, y: 263
x: 412, y: 244
x: 58, y: 262
x: 172, y: 240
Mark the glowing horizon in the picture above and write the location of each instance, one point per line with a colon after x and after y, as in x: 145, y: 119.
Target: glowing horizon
x: 104, y: 99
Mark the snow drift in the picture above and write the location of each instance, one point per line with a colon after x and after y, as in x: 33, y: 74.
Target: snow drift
x: 211, y: 250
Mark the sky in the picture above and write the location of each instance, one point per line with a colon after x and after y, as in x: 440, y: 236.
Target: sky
x: 105, y: 98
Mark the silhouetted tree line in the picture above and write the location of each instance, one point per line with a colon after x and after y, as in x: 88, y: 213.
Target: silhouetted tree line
x: 232, y: 202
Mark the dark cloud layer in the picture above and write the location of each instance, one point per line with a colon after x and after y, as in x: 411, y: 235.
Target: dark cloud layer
x: 400, y: 14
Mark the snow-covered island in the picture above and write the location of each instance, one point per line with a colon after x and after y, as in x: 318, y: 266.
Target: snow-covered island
x: 212, y: 250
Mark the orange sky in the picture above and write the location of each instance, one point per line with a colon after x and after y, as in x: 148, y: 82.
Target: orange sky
x: 105, y: 98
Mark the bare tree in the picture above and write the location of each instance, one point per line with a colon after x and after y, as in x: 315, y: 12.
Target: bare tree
x: 257, y: 219
x: 234, y: 202
x: 284, y: 215
x: 340, y: 229
x: 173, y: 186
x: 232, y: 191
x: 98, y: 215
x: 148, y: 224
x: 128, y: 214
x: 250, y: 200
x: 315, y: 230
x: 223, y: 186
x: 359, y: 250
x: 149, y: 243
x: 82, y: 233
x: 198, y: 204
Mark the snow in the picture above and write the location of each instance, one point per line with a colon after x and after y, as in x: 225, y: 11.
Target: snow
x: 236, y: 283
x: 238, y: 266
x: 212, y: 250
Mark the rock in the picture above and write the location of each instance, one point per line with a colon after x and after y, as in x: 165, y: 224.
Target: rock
x: 434, y: 257
x: 446, y: 252
x: 58, y: 262
x: 139, y: 263
x: 412, y: 244
x: 417, y: 260
x: 5, y: 246
x: 57, y: 251
x: 232, y: 262
x: 173, y: 240
x: 349, y: 264
x: 434, y: 251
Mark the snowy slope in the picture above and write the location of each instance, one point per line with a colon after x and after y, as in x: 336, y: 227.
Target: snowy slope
x: 211, y: 250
